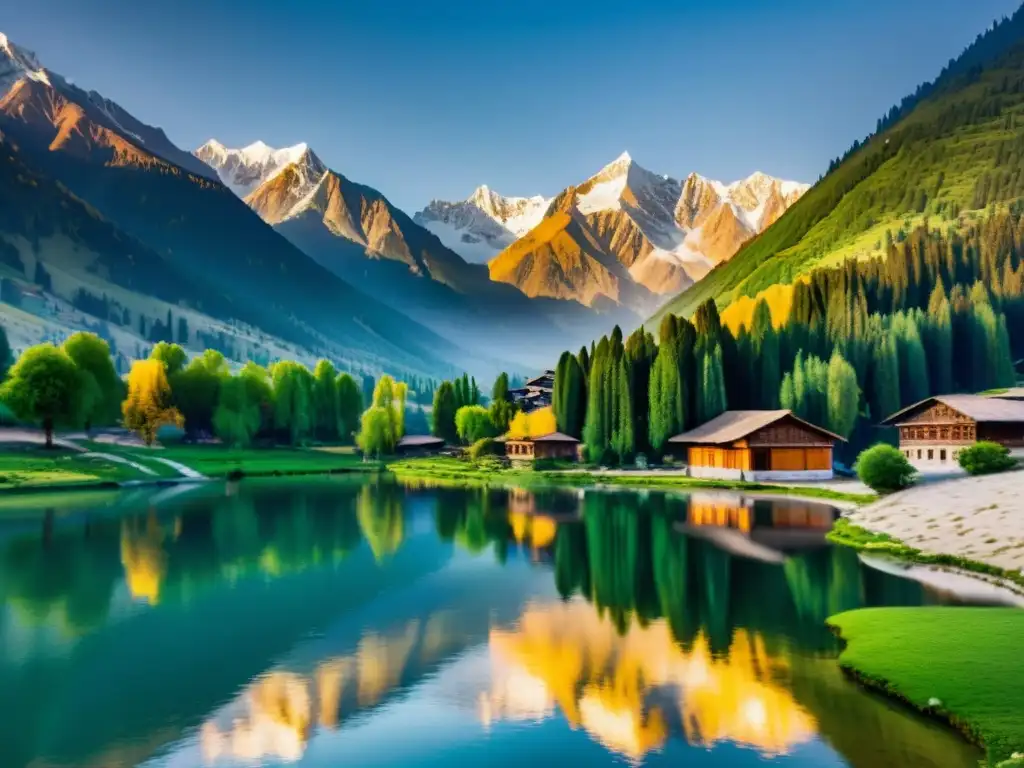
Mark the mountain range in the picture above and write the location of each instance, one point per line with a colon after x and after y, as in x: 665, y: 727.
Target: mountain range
x: 625, y: 235
x: 267, y: 251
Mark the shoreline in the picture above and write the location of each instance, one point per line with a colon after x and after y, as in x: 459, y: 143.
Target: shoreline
x: 975, y: 692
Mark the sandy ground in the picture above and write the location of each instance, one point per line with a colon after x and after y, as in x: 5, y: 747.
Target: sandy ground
x: 980, y: 518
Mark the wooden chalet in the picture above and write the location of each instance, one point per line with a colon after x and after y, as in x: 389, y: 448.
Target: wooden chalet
x: 552, y: 446
x: 536, y: 393
x: 758, y: 445
x: 935, y: 430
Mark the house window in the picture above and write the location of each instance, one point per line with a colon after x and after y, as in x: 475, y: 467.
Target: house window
x: 931, y: 454
x: 919, y: 453
x: 942, y: 455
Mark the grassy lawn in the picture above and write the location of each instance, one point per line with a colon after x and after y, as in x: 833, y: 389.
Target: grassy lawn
x: 458, y: 470
x: 960, y: 663
x: 38, y: 467
x: 218, y: 461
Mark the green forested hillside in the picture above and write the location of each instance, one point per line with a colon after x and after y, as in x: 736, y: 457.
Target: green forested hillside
x: 954, y: 147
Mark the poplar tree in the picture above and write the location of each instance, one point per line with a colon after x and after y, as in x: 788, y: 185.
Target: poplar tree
x: 843, y: 396
x: 444, y: 411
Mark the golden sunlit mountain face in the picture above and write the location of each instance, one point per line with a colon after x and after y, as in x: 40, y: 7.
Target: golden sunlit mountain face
x: 635, y: 691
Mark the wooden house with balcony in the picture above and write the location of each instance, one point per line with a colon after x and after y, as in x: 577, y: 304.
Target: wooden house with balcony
x: 935, y: 430
x: 757, y: 445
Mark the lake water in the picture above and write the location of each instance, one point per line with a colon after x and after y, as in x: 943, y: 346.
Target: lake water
x: 349, y: 623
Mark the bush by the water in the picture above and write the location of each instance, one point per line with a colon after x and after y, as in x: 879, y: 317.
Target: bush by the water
x: 985, y: 457
x: 884, y: 469
x: 486, y: 446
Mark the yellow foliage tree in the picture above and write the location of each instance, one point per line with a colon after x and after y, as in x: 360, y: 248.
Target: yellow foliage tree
x: 147, y: 407
x: 540, y: 422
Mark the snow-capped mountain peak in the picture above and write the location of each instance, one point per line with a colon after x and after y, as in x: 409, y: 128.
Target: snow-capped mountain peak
x: 17, y: 63
x: 244, y: 170
x: 484, y: 224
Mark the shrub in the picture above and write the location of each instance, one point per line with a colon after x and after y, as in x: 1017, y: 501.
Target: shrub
x: 984, y: 458
x: 485, y: 446
x: 884, y: 469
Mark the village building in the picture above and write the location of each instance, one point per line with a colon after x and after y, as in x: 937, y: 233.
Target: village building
x: 536, y: 393
x: 935, y: 430
x: 757, y: 445
x: 551, y: 446
x: 419, y: 445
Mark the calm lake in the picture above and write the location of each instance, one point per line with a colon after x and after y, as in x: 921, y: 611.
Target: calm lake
x: 355, y: 623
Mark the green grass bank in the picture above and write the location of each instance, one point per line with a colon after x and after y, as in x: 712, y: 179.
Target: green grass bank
x: 962, y: 665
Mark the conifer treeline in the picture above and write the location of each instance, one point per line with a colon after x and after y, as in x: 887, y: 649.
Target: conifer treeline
x: 941, y: 313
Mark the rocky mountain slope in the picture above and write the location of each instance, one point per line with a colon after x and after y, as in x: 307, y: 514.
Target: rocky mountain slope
x: 169, y: 201
x: 628, y: 236
x: 951, y: 147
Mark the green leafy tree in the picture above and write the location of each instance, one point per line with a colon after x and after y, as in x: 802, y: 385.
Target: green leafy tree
x: 104, y: 387
x: 623, y: 439
x: 46, y: 387
x: 195, y: 390
x: 502, y: 409
x: 350, y: 405
x: 597, y: 428
x: 884, y: 469
x: 472, y: 423
x: 293, y: 401
x: 884, y: 383
x: 259, y: 390
x: 712, y: 393
x: 5, y: 353
x: 237, y: 418
x: 843, y: 396
x: 376, y: 437
x: 325, y: 401
x: 444, y: 413
x: 567, y: 399
x: 171, y: 355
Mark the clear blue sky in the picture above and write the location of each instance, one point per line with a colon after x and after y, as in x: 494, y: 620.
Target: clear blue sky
x: 431, y: 99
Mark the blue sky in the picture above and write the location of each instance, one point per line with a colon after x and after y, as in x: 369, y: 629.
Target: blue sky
x: 424, y: 100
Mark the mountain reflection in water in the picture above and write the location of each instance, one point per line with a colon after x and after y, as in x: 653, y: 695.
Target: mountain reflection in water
x: 285, y: 622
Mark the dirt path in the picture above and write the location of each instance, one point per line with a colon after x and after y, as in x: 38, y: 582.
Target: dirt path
x: 980, y: 518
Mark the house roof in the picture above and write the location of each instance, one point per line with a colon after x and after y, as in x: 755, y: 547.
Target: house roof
x: 735, y: 425
x: 417, y: 441
x: 551, y: 437
x: 977, y: 407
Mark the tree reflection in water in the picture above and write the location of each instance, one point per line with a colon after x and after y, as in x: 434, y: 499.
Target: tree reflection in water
x: 646, y: 637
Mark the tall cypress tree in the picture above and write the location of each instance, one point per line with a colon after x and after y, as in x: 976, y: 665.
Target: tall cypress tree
x: 595, y: 430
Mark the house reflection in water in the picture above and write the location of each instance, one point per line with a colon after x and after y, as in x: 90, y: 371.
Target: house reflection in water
x: 632, y: 692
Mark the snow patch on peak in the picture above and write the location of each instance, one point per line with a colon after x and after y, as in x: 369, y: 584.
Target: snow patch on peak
x: 244, y: 170
x: 17, y: 63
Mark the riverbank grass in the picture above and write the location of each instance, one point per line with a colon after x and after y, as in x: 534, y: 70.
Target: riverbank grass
x: 960, y: 664
x: 37, y: 468
x: 442, y: 469
x: 220, y: 461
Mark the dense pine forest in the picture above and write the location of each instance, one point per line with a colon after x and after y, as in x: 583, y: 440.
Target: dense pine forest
x: 943, y: 312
